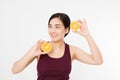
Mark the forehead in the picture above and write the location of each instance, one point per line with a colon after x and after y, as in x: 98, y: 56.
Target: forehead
x: 55, y: 21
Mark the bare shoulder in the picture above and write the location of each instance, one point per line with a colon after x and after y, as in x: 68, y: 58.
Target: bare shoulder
x: 73, y: 48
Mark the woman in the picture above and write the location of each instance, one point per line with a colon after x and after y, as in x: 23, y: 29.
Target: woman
x: 56, y: 64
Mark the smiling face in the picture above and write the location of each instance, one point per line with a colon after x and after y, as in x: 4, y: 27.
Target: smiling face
x: 56, y: 29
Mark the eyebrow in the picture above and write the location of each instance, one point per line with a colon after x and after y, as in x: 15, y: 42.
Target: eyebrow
x: 58, y: 24
x: 55, y: 24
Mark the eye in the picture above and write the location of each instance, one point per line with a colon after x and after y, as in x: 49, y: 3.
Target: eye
x: 49, y: 26
x: 57, y: 26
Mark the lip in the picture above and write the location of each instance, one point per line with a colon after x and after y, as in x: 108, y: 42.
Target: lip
x: 53, y: 35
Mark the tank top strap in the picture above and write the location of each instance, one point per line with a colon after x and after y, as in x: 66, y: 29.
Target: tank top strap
x: 67, y: 52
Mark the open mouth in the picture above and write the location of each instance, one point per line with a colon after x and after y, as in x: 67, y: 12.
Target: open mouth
x: 53, y: 35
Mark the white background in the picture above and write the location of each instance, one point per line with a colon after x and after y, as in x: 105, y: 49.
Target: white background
x: 23, y: 22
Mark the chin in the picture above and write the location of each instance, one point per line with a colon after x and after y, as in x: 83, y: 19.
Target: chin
x: 54, y: 40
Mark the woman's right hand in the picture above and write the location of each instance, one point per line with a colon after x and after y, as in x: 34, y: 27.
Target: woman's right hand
x: 36, y: 49
x: 34, y: 52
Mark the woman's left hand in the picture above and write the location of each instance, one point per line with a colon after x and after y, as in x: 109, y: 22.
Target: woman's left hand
x: 83, y: 28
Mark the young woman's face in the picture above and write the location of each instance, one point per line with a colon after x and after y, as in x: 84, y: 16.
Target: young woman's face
x: 56, y: 29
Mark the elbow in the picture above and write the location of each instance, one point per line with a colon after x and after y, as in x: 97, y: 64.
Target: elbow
x: 14, y: 72
x: 14, y: 69
x: 99, y: 62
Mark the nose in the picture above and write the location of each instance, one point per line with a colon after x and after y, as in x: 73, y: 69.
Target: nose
x: 52, y: 30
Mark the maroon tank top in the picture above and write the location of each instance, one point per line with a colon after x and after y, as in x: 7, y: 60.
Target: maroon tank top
x: 49, y: 68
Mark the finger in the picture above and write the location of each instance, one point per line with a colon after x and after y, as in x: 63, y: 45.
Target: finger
x: 78, y: 32
x: 39, y: 44
x: 80, y: 21
x: 42, y: 41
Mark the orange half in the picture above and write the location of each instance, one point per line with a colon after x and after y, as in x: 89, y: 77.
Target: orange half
x: 75, y: 26
x: 46, y: 47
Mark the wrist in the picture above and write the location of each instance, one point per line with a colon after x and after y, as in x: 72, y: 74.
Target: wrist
x: 88, y: 36
x: 30, y: 55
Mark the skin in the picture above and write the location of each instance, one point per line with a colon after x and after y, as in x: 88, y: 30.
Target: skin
x: 56, y: 30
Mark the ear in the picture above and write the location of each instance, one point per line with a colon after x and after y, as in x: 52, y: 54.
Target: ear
x: 67, y: 30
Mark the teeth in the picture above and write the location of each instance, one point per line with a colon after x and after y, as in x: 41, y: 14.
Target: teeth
x: 53, y: 35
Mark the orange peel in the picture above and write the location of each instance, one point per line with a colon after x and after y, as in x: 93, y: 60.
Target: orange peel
x: 46, y: 47
x: 75, y: 26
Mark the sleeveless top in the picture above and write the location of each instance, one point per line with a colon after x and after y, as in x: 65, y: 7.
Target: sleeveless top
x: 49, y: 68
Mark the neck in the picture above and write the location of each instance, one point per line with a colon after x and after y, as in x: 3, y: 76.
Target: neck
x: 57, y: 45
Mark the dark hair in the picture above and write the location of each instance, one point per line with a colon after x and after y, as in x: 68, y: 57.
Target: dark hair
x: 64, y: 18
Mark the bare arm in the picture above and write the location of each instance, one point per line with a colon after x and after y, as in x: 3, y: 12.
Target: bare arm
x: 22, y: 63
x: 90, y: 58
x: 95, y: 56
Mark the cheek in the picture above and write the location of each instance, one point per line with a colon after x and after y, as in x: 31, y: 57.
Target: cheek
x: 62, y: 32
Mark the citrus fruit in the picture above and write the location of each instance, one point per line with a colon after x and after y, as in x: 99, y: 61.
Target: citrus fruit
x: 75, y: 26
x: 46, y: 47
